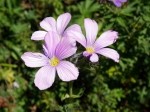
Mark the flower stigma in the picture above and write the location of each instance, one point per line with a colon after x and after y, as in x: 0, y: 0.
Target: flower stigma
x: 90, y: 50
x: 54, y: 61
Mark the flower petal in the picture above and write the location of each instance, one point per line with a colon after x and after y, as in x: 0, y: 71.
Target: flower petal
x: 91, y: 29
x: 38, y: 35
x: 94, y: 58
x: 107, y: 38
x: 62, y: 22
x: 109, y: 53
x: 65, y: 49
x: 51, y: 41
x: 34, y: 59
x: 45, y: 77
x: 117, y: 3
x: 86, y: 54
x: 45, y: 51
x: 49, y: 24
x: 123, y: 0
x: 67, y: 71
x: 75, y: 28
x: 79, y: 37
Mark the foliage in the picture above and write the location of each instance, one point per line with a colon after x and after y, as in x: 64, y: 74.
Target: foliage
x: 105, y: 87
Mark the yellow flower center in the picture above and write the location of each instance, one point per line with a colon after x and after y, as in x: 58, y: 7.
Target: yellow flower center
x: 54, y: 61
x: 90, y: 50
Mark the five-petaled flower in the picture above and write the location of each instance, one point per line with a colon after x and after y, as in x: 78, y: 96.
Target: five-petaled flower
x: 118, y: 3
x: 59, y: 27
x: 95, y: 46
x: 56, y: 49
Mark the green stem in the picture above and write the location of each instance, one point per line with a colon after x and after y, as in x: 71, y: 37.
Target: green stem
x: 70, y: 88
x: 8, y: 65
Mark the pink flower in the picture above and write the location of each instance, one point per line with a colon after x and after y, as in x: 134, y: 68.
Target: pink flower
x: 95, y: 46
x: 59, y: 27
x: 118, y: 3
x: 55, y: 51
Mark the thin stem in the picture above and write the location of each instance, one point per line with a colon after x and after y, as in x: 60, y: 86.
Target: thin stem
x: 8, y: 65
x: 70, y: 88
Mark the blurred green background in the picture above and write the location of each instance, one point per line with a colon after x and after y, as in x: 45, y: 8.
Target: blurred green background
x: 102, y: 87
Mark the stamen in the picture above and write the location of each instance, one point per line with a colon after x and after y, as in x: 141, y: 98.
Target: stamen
x: 90, y: 50
x: 54, y: 61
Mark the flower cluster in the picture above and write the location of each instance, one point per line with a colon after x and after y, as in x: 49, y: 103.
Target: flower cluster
x: 60, y: 43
